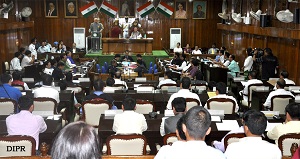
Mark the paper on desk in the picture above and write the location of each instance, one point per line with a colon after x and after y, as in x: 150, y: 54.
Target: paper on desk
x: 215, y: 118
x: 211, y: 94
x: 227, y: 125
x: 53, y: 117
x: 270, y: 126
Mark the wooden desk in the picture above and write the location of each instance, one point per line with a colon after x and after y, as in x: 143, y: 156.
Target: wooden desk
x: 217, y: 74
x: 53, y: 127
x: 258, y: 99
x: 117, y: 45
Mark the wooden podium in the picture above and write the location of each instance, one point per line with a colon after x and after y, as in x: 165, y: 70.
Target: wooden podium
x: 116, y: 45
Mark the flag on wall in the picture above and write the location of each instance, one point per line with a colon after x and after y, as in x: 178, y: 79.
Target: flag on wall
x: 165, y: 9
x: 108, y: 9
x: 146, y: 9
x: 88, y: 9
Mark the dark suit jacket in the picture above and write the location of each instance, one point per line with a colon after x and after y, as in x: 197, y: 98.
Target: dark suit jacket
x: 171, y: 123
x: 128, y: 58
x: 57, y: 74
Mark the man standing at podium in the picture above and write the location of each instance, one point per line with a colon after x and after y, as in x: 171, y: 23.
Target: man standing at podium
x: 96, y: 31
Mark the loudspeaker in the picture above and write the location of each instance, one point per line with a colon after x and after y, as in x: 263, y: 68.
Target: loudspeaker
x: 265, y: 20
x: 297, y: 16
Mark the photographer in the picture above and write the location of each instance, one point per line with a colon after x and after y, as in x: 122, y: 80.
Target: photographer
x: 269, y: 63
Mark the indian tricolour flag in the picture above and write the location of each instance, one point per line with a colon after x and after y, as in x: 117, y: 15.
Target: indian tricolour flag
x: 165, y: 9
x: 89, y: 9
x: 146, y: 9
x: 108, y: 9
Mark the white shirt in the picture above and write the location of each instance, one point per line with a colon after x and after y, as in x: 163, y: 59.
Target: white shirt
x: 196, y: 52
x: 225, y: 96
x: 165, y: 81
x: 226, y: 64
x: 162, y: 126
x: 252, y: 148
x: 220, y: 145
x: 189, y: 150
x: 15, y: 64
x: 187, y: 67
x: 176, y: 49
x: 248, y: 63
x: 129, y: 122
x: 33, y: 50
x: 119, y: 81
x: 185, y: 93
x: 245, y: 90
x: 47, y: 91
x: 70, y: 63
x: 222, y: 58
x: 285, y: 128
x: 274, y: 93
x: 43, y: 49
x: 183, y: 65
x: 287, y: 81
x: 25, y: 61
x: 48, y: 71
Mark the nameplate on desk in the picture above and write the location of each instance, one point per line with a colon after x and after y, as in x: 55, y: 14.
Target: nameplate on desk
x: 270, y: 114
x: 140, y: 79
x: 53, y: 117
x: 169, y: 113
x: 112, y: 112
x: 76, y: 81
x: 273, y: 79
x: 294, y: 88
x: 84, y: 79
x: 227, y: 125
x: 43, y: 113
x: 238, y: 79
x: 161, y: 78
x: 216, y: 113
x: 297, y: 98
x: 173, y: 89
x: 144, y: 89
x: 28, y: 80
x: 262, y: 88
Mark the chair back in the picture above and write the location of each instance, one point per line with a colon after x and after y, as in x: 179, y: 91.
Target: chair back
x: 199, y: 86
x: 231, y: 138
x: 145, y: 88
x: 285, y: 142
x: 75, y: 89
x: 226, y: 104
x: 93, y: 109
x: 126, y: 144
x: 6, y: 67
x: 17, y: 145
x: 165, y: 87
x: 191, y: 102
x: 7, y: 106
x: 279, y: 102
x: 20, y: 87
x: 44, y: 106
x: 144, y: 106
x: 169, y: 139
x: 252, y: 87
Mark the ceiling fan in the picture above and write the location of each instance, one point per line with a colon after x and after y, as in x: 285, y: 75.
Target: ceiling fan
x: 223, y: 15
x: 256, y: 15
x: 236, y: 17
x: 285, y: 16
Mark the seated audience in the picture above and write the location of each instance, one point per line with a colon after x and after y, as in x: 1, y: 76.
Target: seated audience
x: 233, y: 67
x: 196, y: 51
x: 28, y: 59
x: 77, y: 140
x: 213, y: 49
x: 126, y: 57
x: 112, y: 69
x: 17, y: 80
x: 168, y: 124
x: 221, y: 93
x: 248, y: 63
x: 179, y: 68
x: 176, y: 59
x: 221, y: 54
x: 199, y: 78
x: 252, y: 80
x: 98, y: 92
x: 167, y: 79
x: 192, y: 73
x: 70, y: 60
x: 226, y: 61
x: 47, y: 90
x: 255, y: 124
x: 24, y: 122
x: 55, y: 47
x: 196, y: 126
x: 184, y: 92
x: 187, y: 49
x: 48, y: 68
x: 117, y: 59
x: 178, y: 48
x: 15, y: 64
x: 280, y: 84
x: 43, y: 48
x: 6, y: 90
x: 63, y: 58
x: 129, y: 122
x: 141, y: 65
x: 119, y: 81
x: 109, y: 85
x: 74, y: 49
x: 57, y: 73
x: 291, y: 124
x: 285, y: 75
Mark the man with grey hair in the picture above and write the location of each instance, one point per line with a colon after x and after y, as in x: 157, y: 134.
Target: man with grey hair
x: 71, y: 9
x: 96, y: 29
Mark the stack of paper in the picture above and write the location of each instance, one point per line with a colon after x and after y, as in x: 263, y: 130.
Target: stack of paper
x: 227, y: 125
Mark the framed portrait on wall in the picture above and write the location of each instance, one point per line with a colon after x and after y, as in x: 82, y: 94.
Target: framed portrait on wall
x: 127, y: 8
x: 181, y: 9
x: 199, y: 9
x: 71, y: 8
x: 51, y: 8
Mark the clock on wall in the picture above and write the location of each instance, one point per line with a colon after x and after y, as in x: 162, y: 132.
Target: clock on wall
x: 25, y: 13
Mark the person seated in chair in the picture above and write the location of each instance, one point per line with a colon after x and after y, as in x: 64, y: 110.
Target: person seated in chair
x: 252, y: 80
x: 285, y: 75
x: 126, y: 57
x: 47, y: 90
x: 15, y: 64
x: 112, y: 69
x: 129, y: 122
x: 195, y: 68
x: 221, y: 93
x: 141, y: 65
x: 168, y: 124
x: 109, y: 88
x: 70, y: 60
x: 119, y: 81
x: 17, y: 80
x: 98, y: 92
x: 167, y: 79
x: 57, y: 73
x: 6, y: 90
